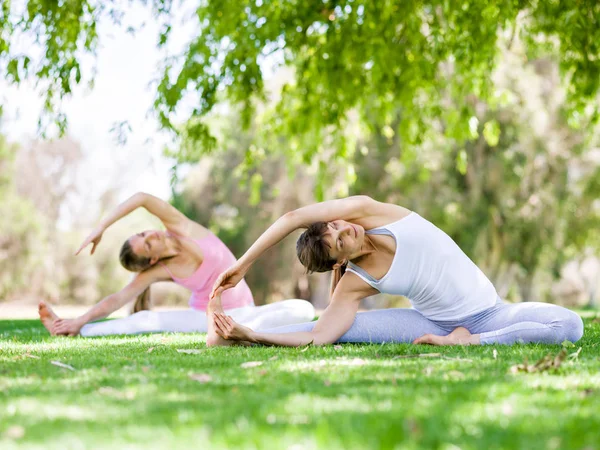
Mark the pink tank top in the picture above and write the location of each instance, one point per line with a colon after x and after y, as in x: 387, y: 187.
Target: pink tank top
x: 217, y: 259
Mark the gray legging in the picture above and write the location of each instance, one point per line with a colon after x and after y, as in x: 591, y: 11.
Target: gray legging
x: 503, y: 323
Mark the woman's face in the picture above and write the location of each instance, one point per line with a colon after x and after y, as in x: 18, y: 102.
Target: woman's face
x: 344, y: 239
x: 149, y: 244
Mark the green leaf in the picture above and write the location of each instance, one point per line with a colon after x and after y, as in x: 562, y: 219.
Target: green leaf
x: 256, y: 182
x: 12, y: 69
x: 473, y: 125
x: 461, y: 162
x: 491, y: 132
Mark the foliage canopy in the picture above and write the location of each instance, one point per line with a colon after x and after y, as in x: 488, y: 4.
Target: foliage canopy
x: 375, y: 58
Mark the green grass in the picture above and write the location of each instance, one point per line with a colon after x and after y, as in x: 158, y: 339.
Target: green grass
x: 124, y: 395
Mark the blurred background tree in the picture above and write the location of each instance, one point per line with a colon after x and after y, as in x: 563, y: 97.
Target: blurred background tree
x: 374, y: 58
x: 21, y: 229
x: 36, y: 248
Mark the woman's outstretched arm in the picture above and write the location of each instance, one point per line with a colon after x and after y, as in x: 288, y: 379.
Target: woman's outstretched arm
x: 111, y: 303
x: 171, y: 218
x: 333, y: 323
x: 351, y: 208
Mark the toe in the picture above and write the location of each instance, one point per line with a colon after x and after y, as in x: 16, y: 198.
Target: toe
x: 422, y: 340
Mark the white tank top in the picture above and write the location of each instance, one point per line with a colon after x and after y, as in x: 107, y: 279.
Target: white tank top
x: 440, y: 281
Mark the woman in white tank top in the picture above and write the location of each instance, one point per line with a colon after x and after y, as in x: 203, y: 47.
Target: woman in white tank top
x: 377, y: 247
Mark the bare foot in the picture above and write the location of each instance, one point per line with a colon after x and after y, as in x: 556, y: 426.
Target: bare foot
x: 460, y: 336
x: 212, y: 338
x: 47, y: 316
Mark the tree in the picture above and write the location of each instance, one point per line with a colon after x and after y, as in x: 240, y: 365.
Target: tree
x: 37, y: 183
x: 47, y: 175
x: 23, y: 240
x: 375, y: 58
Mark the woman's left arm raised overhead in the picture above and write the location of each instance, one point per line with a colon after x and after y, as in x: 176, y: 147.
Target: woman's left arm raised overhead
x: 172, y: 219
x: 350, y: 209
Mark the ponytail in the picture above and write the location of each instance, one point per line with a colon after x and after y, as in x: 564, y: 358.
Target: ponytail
x: 142, y: 302
x: 336, y: 276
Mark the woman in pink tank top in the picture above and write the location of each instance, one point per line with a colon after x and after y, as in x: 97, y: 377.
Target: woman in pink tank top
x: 217, y: 257
x: 186, y: 253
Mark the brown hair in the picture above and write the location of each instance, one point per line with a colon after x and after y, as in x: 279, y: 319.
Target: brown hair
x: 132, y: 261
x: 313, y: 253
x: 135, y: 263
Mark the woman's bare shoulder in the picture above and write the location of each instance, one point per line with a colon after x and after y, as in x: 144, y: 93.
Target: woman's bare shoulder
x: 196, y: 231
x: 351, y: 285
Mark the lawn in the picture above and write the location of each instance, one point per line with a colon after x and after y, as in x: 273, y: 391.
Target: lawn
x: 144, y: 392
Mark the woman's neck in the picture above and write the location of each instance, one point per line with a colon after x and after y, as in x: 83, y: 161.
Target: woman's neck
x: 174, y: 247
x: 367, y: 248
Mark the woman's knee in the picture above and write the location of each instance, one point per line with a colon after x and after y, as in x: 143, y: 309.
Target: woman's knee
x: 308, y: 310
x: 571, y: 325
x: 143, y: 315
x: 301, y: 308
x: 145, y: 320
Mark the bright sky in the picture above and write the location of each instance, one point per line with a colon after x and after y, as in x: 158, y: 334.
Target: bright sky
x: 126, y: 65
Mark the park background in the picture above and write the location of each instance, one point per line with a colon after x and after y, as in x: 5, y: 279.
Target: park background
x: 481, y: 118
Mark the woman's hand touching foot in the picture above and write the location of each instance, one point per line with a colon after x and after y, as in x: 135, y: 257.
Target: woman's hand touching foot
x: 212, y: 337
x: 67, y: 327
x: 229, y: 329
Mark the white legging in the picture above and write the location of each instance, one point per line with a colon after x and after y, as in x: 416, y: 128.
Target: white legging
x: 287, y: 312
